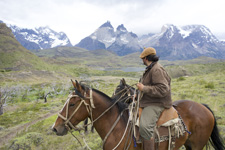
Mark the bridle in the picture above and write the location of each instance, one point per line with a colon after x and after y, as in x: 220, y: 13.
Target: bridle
x: 89, y: 108
x: 126, y: 90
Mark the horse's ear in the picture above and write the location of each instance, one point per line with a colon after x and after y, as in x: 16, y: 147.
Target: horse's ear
x: 79, y: 88
x: 74, y: 84
x: 123, y: 81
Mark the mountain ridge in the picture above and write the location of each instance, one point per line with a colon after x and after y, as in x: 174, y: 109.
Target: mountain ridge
x: 39, y: 38
x: 172, y: 43
x: 119, y: 41
x: 13, y: 56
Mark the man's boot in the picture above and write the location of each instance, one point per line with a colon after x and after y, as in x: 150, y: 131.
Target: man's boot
x: 148, y: 144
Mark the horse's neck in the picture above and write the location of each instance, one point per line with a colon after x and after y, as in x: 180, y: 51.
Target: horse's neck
x: 104, y: 123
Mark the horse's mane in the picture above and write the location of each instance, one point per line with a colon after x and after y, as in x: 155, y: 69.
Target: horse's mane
x: 120, y: 105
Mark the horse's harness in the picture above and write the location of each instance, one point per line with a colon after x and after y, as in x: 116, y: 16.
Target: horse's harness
x: 127, y: 89
x: 89, y: 108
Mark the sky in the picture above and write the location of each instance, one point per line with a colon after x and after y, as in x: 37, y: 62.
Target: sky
x: 80, y: 18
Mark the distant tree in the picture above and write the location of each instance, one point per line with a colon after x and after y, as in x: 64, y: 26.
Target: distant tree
x: 46, y: 97
x: 3, y: 97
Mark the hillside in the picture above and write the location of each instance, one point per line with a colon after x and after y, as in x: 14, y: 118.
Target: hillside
x: 79, y: 56
x: 59, y: 52
x: 27, y: 79
x: 107, y: 59
x: 63, y: 62
x: 13, y: 56
x: 27, y: 122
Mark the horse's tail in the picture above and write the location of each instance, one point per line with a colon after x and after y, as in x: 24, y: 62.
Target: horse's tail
x: 216, y: 140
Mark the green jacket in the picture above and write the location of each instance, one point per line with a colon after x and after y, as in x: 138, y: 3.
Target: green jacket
x: 157, y: 90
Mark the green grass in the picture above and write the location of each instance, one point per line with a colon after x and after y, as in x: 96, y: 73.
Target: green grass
x: 208, y: 89
x: 197, y: 88
x: 27, y: 78
x: 25, y: 112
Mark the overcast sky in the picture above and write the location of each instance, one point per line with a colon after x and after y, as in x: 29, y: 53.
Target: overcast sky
x: 80, y: 18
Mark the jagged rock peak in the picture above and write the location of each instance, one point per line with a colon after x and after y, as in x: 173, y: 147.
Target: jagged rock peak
x: 133, y: 35
x: 107, y: 24
x: 187, y: 27
x: 121, y: 28
x: 44, y: 30
x: 167, y: 27
x: 43, y: 27
x: 201, y: 28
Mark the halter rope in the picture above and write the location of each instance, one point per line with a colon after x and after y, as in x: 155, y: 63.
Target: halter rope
x: 89, y: 110
x: 88, y: 107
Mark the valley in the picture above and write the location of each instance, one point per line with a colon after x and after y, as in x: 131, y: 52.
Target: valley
x: 28, y: 78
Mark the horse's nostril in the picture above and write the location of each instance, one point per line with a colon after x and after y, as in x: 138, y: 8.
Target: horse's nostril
x: 54, y: 130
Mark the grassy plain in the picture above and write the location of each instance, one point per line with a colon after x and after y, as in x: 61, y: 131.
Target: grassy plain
x: 27, y: 121
x: 27, y: 78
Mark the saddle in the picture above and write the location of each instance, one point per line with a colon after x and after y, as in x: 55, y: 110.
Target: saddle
x: 169, y: 118
x: 167, y: 115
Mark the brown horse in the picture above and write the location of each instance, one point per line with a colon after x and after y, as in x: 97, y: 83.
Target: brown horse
x: 123, y: 92
x: 110, y: 119
x: 105, y: 113
x: 199, y: 120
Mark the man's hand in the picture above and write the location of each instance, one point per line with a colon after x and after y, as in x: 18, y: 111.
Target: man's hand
x: 140, y: 86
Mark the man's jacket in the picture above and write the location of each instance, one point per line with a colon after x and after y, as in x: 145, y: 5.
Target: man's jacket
x: 157, y: 90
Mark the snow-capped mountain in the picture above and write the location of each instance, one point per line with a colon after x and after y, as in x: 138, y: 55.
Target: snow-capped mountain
x: 39, y: 38
x: 105, y: 34
x: 185, y: 42
x: 125, y: 43
x: 120, y: 41
x: 172, y: 43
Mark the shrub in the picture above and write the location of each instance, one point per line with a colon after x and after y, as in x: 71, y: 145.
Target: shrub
x: 181, y: 79
x: 210, y: 85
x: 27, y: 141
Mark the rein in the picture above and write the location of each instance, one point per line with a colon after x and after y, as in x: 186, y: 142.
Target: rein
x: 119, y: 99
x: 89, y: 108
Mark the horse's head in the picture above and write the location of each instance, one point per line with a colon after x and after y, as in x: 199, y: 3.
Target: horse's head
x: 75, y: 110
x: 124, y: 92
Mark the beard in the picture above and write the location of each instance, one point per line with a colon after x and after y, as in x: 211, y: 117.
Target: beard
x: 144, y: 63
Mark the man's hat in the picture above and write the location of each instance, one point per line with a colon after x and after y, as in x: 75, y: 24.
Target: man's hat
x: 148, y: 51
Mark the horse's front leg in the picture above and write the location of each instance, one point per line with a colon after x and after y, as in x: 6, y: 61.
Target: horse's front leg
x: 85, y: 126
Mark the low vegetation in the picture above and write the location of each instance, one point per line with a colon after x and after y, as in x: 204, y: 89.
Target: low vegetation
x: 27, y: 119
x: 33, y: 89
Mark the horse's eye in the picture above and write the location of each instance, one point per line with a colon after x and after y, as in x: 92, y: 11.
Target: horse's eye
x: 71, y: 105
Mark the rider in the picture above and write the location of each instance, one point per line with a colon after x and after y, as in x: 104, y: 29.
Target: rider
x: 155, y: 86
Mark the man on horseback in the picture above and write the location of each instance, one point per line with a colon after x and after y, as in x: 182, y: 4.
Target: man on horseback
x: 156, y: 94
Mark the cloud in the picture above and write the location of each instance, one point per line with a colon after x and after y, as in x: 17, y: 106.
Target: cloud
x: 79, y: 19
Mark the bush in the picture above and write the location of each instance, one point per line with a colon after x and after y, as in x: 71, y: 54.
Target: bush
x: 181, y: 79
x: 28, y: 141
x: 210, y: 85
x: 202, y: 82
